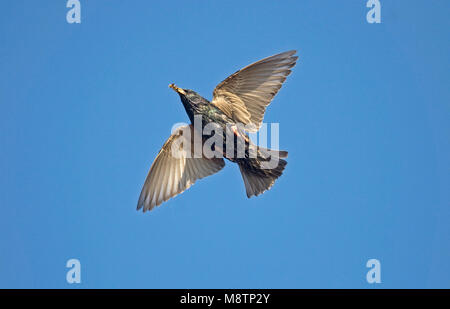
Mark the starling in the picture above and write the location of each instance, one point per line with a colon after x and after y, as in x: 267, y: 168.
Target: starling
x: 237, y: 107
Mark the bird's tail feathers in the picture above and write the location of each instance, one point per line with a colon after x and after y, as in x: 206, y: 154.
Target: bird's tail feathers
x: 257, y: 177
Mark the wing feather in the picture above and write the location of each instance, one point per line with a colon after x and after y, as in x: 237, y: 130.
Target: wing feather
x: 171, y: 174
x: 244, y: 95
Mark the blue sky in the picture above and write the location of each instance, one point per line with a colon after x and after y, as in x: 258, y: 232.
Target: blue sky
x: 85, y: 108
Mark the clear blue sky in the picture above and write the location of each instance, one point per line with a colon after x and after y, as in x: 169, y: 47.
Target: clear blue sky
x: 85, y: 108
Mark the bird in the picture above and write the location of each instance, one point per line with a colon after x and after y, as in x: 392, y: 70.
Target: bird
x: 237, y: 108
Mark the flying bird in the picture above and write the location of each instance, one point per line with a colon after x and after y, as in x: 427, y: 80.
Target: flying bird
x: 238, y: 106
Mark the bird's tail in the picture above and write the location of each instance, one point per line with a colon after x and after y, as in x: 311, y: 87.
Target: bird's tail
x: 260, y: 173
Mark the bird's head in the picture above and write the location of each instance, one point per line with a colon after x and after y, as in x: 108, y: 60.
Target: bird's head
x: 187, y: 96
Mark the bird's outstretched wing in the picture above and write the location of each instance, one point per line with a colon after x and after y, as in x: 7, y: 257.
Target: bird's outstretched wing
x: 175, y: 169
x: 244, y: 95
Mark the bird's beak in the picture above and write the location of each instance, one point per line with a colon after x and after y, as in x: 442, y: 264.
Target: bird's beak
x: 179, y: 90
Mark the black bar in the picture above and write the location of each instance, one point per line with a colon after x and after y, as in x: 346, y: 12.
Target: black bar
x: 222, y: 298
